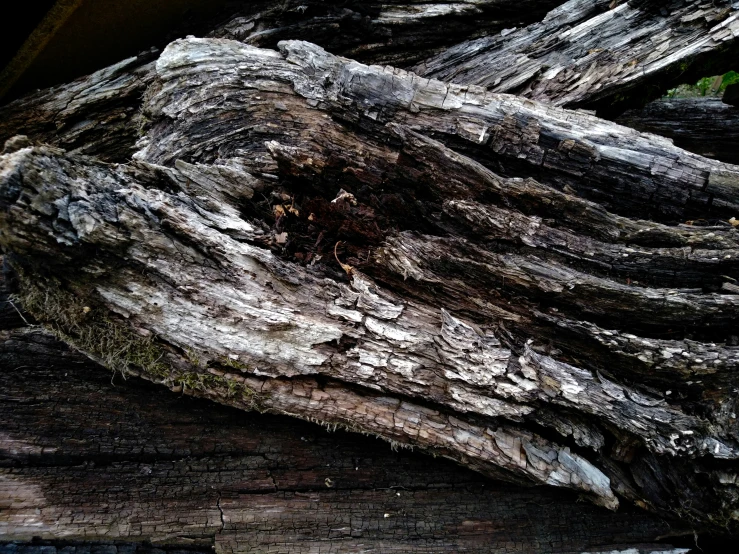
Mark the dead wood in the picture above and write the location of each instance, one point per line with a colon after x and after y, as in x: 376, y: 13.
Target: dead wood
x: 704, y: 125
x: 606, y: 55
x: 541, y: 295
x: 93, y: 464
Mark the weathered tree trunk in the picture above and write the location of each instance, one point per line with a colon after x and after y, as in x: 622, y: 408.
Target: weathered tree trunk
x: 394, y: 32
x: 97, y: 115
x: 704, y: 125
x: 607, y: 55
x: 119, y: 464
x: 538, y: 294
x: 508, y: 324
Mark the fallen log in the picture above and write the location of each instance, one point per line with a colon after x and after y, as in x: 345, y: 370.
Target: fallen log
x: 394, y: 32
x: 704, y: 125
x: 100, y: 114
x: 607, y: 55
x: 91, y: 464
x: 302, y: 234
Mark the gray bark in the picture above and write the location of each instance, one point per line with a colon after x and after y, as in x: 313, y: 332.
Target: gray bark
x: 606, y: 55
x: 92, y: 465
x: 302, y: 234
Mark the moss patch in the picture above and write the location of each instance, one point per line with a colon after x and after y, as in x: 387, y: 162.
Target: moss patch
x: 210, y: 384
x: 87, y: 327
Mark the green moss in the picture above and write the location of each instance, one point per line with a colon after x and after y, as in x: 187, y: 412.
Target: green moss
x: 87, y: 327
x: 711, y: 85
x: 193, y: 357
x: 215, y: 384
x: 233, y: 364
x: 730, y: 78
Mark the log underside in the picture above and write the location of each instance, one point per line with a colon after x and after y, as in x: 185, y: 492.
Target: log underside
x: 704, y: 125
x: 538, y: 294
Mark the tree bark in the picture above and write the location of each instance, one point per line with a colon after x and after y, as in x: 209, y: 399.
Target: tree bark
x: 93, y: 463
x: 607, y: 55
x: 538, y: 294
x: 302, y: 234
x: 704, y: 125
x: 394, y: 32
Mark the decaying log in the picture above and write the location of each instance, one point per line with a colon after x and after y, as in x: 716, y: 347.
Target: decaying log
x: 604, y: 55
x: 704, y: 125
x: 496, y: 281
x: 98, y: 115
x: 118, y: 465
x: 394, y: 32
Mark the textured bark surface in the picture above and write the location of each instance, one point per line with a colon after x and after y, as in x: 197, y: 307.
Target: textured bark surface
x: 540, y: 295
x: 394, y: 32
x: 85, y: 458
x: 98, y: 115
x: 306, y: 235
x: 606, y: 54
x: 704, y: 125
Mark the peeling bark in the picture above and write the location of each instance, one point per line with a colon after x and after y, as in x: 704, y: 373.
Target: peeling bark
x: 605, y: 55
x: 306, y: 235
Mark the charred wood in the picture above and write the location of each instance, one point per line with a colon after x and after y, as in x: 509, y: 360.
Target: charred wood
x: 704, y: 125
x: 90, y: 464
